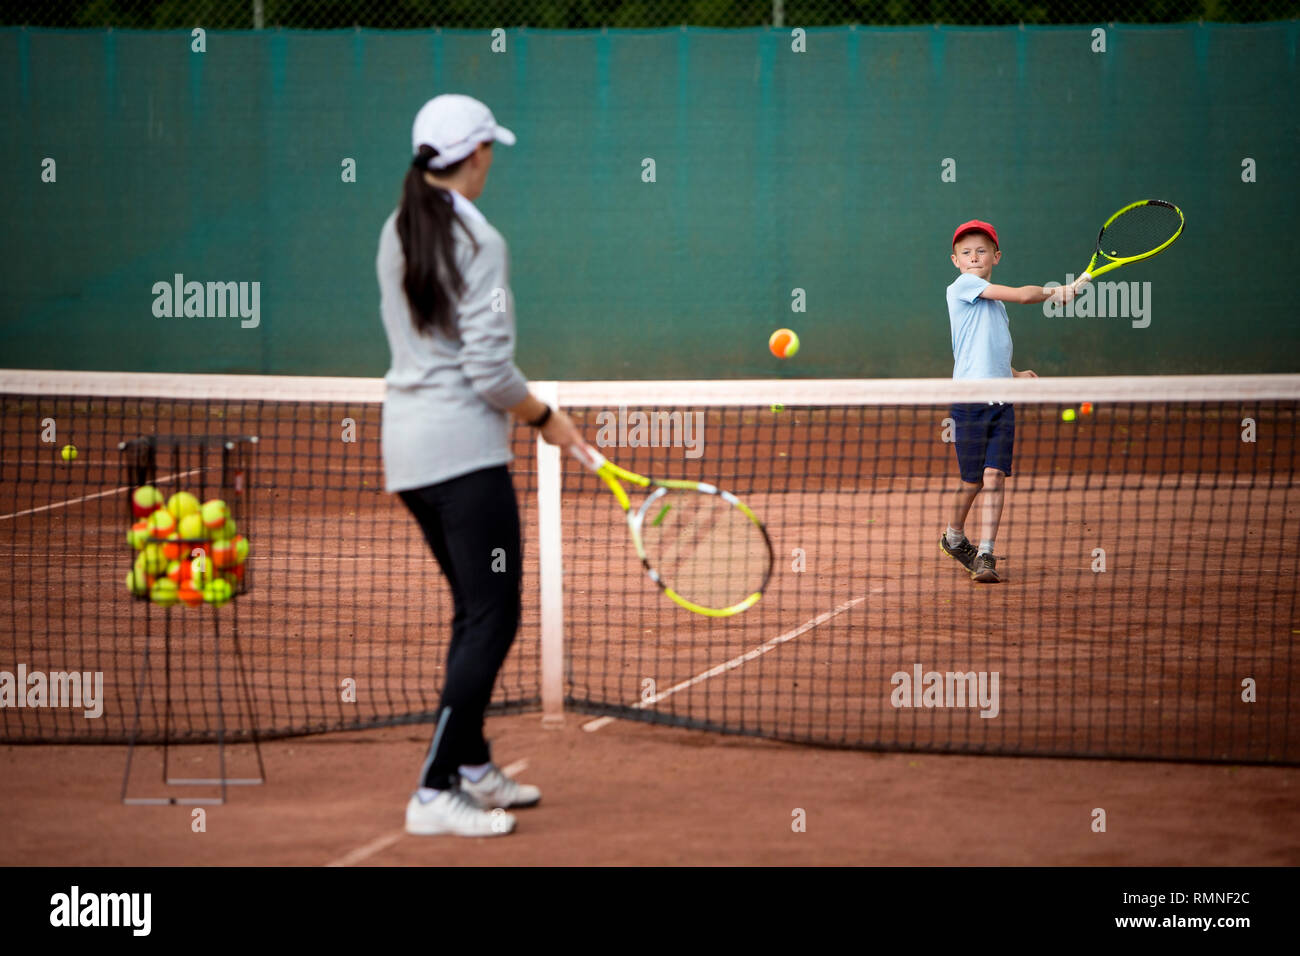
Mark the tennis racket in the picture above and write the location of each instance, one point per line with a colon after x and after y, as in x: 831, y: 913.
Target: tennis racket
x: 704, y: 548
x: 1136, y: 232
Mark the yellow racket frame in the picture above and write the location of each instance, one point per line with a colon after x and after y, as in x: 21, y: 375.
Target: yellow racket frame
x: 1091, y: 273
x: 611, y: 474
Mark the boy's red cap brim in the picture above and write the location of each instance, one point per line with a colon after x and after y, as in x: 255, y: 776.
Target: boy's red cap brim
x: 976, y: 225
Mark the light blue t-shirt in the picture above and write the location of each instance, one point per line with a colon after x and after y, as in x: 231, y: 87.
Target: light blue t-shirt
x: 981, y: 332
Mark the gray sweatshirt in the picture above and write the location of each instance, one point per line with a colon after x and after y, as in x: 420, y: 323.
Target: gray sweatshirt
x: 445, y: 398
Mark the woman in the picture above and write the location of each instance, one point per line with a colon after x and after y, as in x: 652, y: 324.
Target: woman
x: 449, y: 316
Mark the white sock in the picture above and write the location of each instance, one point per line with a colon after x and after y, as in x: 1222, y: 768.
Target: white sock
x: 955, y: 537
x: 986, y: 546
x: 425, y: 794
x: 475, y: 773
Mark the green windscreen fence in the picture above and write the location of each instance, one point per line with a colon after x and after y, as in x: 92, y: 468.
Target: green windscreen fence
x: 675, y: 195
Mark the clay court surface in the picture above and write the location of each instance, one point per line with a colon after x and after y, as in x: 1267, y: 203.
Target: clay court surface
x: 633, y: 794
x: 1143, y: 660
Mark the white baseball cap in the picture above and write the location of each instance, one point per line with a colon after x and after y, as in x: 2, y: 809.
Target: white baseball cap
x: 454, y: 125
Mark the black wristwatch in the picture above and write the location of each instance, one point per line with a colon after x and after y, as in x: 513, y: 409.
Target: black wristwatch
x: 542, y: 419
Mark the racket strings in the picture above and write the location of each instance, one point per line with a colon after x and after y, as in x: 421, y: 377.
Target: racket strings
x: 704, y: 549
x: 1140, y: 230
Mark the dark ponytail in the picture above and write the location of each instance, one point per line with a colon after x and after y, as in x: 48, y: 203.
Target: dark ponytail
x: 433, y: 282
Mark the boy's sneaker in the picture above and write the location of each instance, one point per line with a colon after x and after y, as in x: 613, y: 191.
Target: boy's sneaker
x: 985, y: 569
x: 965, y: 552
x: 455, y: 813
x: 495, y: 789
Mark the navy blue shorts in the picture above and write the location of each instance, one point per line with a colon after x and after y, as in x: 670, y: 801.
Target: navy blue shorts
x: 986, y: 435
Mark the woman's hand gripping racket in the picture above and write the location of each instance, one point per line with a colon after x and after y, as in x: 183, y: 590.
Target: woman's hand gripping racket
x: 703, y: 546
x: 1136, y: 232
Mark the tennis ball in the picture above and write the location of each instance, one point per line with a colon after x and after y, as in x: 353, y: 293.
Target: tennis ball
x: 191, y: 528
x: 151, y: 559
x: 1085, y: 408
x: 137, y: 582
x: 137, y: 536
x: 223, y: 552
x: 1067, y: 415
x: 227, y: 530
x: 783, y: 343
x: 187, y: 594
x: 217, y: 592
x: 161, y: 523
x: 777, y: 408
x: 69, y: 453
x: 215, y: 512
x: 171, y: 547
x: 164, y: 592
x: 181, y: 504
x: 200, y: 572
x: 228, y: 552
x: 145, y: 501
x: 182, y: 572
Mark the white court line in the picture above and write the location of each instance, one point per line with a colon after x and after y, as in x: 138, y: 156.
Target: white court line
x: 370, y: 849
x: 379, y: 844
x: 62, y: 504
x: 99, y: 494
x: 594, y: 725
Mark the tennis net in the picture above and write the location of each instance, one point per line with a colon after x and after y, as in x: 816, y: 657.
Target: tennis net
x: 1148, y: 551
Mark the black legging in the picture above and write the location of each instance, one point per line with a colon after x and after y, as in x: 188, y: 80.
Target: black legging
x: 465, y: 520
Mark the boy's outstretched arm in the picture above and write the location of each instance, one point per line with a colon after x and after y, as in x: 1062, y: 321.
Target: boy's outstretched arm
x: 1027, y: 294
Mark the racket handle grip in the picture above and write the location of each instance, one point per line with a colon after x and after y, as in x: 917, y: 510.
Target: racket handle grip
x: 1082, y: 280
x: 589, y: 457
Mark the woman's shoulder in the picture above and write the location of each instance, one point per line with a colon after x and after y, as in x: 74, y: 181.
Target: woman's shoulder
x: 481, y: 239
x: 482, y: 231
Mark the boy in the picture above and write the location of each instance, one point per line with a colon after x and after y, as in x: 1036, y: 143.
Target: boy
x: 981, y: 348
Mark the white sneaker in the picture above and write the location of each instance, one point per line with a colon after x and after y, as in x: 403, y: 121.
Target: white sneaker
x: 495, y: 789
x: 454, y: 812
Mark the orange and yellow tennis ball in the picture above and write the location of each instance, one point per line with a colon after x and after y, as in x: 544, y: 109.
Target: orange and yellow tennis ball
x: 1085, y: 408
x: 145, y: 501
x: 223, y: 552
x: 161, y: 523
x: 181, y: 504
x: 783, y: 343
x: 215, y: 513
x: 228, y: 552
x: 139, y: 534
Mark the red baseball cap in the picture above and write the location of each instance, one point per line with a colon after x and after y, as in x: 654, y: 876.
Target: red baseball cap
x: 976, y: 225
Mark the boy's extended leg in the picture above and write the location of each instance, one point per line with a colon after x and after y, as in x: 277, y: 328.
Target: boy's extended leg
x: 954, y: 541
